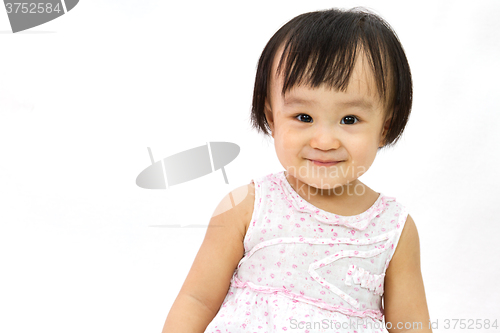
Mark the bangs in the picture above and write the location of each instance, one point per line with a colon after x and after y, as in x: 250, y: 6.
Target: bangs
x: 322, y: 47
x: 324, y: 51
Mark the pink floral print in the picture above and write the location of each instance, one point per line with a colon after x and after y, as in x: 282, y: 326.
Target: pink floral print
x: 302, y: 263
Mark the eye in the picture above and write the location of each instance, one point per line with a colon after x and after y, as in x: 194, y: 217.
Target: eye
x: 305, y: 116
x: 350, y: 120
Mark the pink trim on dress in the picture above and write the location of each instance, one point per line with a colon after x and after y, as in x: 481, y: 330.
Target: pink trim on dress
x: 374, y: 314
x: 359, y: 222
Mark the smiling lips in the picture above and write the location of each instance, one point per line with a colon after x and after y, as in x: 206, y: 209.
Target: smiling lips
x: 324, y: 163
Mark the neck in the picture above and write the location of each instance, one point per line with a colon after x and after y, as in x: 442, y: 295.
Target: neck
x: 353, y: 189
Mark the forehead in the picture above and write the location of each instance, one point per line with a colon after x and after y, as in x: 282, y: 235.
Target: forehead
x: 362, y: 84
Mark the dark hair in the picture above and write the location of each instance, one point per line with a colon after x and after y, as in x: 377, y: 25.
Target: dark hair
x: 321, y: 46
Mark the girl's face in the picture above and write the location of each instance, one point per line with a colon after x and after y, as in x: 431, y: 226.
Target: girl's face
x: 323, y: 124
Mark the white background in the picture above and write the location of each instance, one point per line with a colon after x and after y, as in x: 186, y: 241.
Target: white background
x: 83, y: 96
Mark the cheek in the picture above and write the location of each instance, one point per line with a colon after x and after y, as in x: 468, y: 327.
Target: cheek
x: 287, y: 143
x: 363, y: 150
x: 368, y: 157
x: 284, y: 137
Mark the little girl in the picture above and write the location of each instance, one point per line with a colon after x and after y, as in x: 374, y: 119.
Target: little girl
x: 312, y: 248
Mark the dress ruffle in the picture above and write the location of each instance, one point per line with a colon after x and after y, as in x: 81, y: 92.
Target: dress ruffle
x: 367, y: 280
x: 359, y: 222
x: 370, y: 313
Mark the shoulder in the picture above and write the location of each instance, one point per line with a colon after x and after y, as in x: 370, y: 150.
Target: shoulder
x: 237, y: 206
x: 404, y: 292
x: 407, y: 253
x: 222, y: 248
x: 409, y: 239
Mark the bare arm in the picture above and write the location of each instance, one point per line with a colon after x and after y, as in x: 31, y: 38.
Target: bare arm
x: 404, y: 295
x: 208, y: 280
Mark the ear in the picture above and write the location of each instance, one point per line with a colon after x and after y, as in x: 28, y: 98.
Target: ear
x: 385, y: 129
x: 269, y: 116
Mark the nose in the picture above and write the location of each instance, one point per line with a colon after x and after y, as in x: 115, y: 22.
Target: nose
x: 325, y: 138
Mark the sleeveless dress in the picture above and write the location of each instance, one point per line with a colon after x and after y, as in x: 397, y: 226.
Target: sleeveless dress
x: 308, y: 270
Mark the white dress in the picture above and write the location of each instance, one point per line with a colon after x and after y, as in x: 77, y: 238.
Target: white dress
x: 309, y: 270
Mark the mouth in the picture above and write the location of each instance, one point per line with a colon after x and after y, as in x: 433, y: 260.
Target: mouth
x: 325, y: 163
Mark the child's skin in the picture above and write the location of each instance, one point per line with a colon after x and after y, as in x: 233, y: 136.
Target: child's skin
x: 325, y: 130
x: 332, y: 134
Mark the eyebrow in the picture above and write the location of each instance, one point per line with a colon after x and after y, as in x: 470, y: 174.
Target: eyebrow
x: 362, y: 103
x: 359, y: 102
x: 297, y: 100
